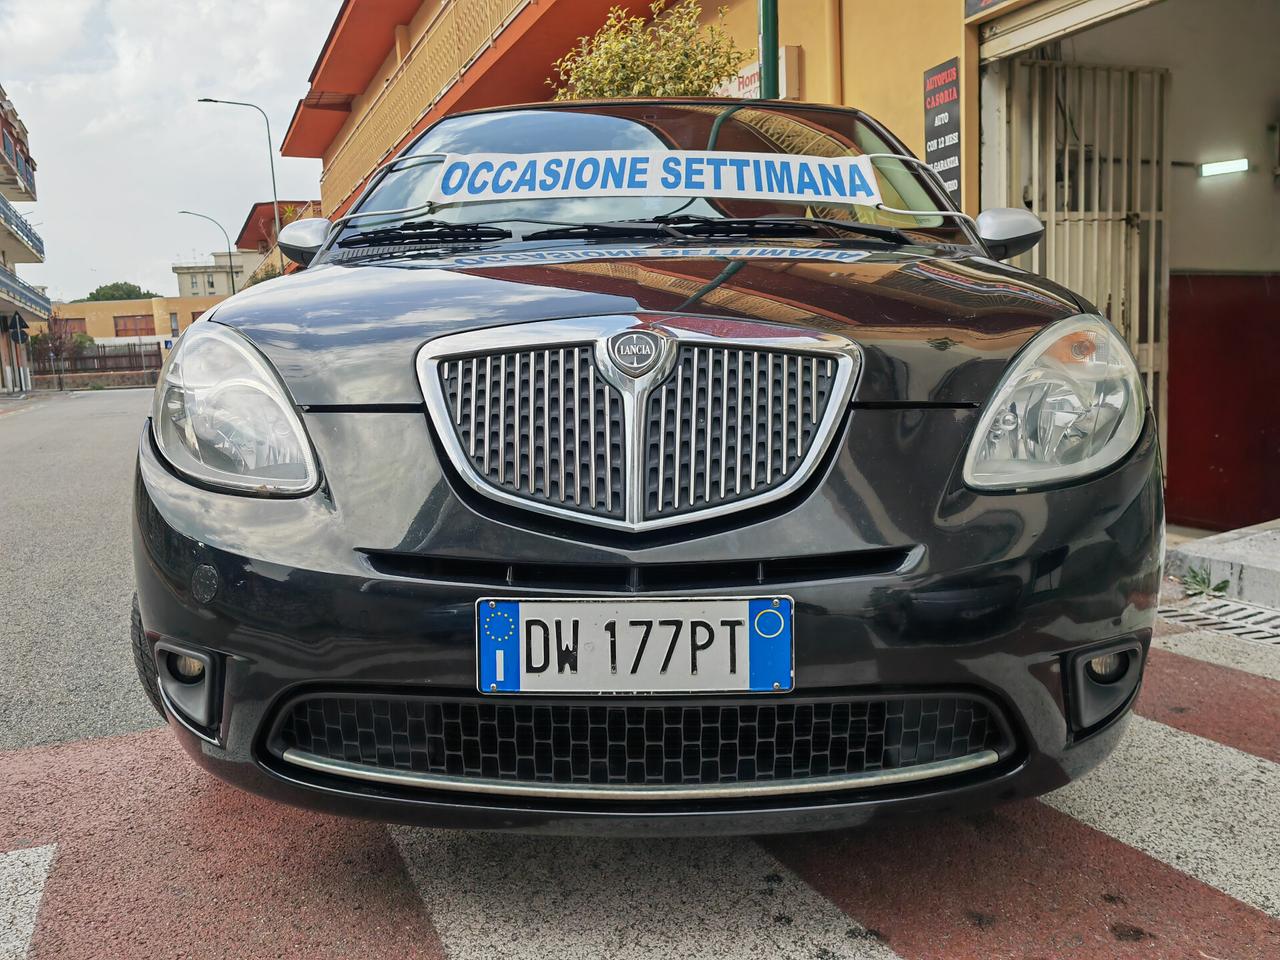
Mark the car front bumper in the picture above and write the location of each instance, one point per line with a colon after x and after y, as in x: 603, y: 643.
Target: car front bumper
x: 994, y: 595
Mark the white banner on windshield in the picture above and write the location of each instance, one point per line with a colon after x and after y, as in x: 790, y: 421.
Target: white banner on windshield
x: 480, y: 177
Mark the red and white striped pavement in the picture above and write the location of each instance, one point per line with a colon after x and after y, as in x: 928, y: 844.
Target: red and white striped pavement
x: 121, y: 848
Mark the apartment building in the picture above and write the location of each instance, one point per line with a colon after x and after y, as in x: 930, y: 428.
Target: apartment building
x: 220, y: 276
x: 145, y: 321
x: 390, y: 68
x: 258, y: 233
x: 21, y: 304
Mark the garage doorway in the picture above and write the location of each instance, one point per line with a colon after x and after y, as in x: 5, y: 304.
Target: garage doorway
x: 1192, y: 270
x: 1084, y: 149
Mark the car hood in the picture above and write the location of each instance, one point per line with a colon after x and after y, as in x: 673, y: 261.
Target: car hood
x: 934, y: 327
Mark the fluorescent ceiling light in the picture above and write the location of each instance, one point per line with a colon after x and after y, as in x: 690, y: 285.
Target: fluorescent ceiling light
x: 1224, y: 166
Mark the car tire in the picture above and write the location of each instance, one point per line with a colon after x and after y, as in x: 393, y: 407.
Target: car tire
x: 143, y: 660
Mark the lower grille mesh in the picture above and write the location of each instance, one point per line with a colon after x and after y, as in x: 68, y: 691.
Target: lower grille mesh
x: 640, y: 744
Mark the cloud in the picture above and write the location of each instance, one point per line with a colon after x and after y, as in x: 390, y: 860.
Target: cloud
x: 38, y: 32
x: 108, y: 90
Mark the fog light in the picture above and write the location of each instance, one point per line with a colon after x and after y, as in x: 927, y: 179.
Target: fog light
x: 1108, y: 668
x: 189, y: 678
x: 1102, y: 681
x: 185, y: 668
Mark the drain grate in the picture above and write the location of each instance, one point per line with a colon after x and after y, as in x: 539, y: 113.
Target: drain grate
x: 1245, y: 620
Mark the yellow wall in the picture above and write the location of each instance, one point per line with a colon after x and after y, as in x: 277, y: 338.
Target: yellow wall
x: 99, y: 316
x: 887, y: 48
x: 801, y: 23
x: 883, y: 50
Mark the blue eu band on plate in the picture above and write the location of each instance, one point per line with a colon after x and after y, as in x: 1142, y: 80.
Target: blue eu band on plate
x: 634, y: 646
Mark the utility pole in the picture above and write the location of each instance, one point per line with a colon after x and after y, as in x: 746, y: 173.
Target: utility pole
x: 271, y: 161
x: 769, y: 49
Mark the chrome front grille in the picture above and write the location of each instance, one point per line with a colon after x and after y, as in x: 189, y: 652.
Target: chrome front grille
x: 715, y: 416
x: 542, y: 424
x: 730, y: 423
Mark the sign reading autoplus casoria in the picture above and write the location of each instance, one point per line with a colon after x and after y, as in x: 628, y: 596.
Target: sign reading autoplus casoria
x: 486, y: 177
x: 942, y: 123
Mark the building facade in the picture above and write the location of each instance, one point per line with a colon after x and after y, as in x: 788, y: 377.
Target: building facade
x: 131, y: 339
x: 153, y: 320
x: 1097, y: 115
x: 258, y: 233
x: 389, y: 68
x: 21, y: 304
x: 221, y: 276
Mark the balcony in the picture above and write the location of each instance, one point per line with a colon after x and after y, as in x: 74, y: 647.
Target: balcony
x: 457, y: 35
x: 17, y: 171
x: 29, y: 248
x: 28, y: 298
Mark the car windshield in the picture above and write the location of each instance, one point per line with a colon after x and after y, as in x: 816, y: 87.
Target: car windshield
x: 741, y: 127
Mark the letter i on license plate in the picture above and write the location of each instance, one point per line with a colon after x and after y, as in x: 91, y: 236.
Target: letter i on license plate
x: 634, y: 646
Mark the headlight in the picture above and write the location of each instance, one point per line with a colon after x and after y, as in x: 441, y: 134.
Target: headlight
x: 221, y: 416
x: 1072, y: 404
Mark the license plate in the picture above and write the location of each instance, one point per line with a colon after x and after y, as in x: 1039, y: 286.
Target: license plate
x: 634, y: 646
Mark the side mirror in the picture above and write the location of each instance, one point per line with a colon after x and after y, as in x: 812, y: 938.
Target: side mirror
x: 1009, y: 231
x: 301, y: 240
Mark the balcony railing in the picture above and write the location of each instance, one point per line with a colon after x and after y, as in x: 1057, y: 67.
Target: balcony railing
x: 458, y: 34
x: 24, y: 295
x: 18, y: 224
x: 21, y: 166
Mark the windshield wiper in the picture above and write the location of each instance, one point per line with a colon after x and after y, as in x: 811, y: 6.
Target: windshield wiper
x: 425, y: 231
x: 692, y: 223
x: 621, y: 228
x: 680, y: 227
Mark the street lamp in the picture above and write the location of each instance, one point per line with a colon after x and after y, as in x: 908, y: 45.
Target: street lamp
x: 271, y: 158
x: 231, y: 263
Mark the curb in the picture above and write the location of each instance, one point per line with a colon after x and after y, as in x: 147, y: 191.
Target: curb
x: 1248, y: 559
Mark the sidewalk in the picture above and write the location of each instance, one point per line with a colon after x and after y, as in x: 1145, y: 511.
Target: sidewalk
x: 1248, y: 559
x: 15, y: 403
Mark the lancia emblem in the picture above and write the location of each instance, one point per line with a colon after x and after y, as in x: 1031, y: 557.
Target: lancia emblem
x: 635, y: 352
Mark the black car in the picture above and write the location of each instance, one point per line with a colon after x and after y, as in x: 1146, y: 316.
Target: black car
x: 649, y: 466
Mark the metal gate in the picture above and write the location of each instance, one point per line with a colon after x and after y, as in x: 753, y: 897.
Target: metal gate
x: 1085, y: 151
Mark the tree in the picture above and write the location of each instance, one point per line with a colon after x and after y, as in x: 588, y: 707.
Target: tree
x: 120, y: 290
x: 268, y: 271
x: 58, y: 344
x: 672, y: 55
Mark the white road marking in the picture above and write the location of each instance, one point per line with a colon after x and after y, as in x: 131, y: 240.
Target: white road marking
x: 509, y: 897
x: 22, y: 877
x: 1225, y: 651
x: 1199, y: 806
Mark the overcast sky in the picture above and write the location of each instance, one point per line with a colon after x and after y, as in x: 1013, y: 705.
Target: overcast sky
x: 107, y: 90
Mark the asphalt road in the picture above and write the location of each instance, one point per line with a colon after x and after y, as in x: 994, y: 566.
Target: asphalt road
x: 66, y: 567
x: 113, y: 844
